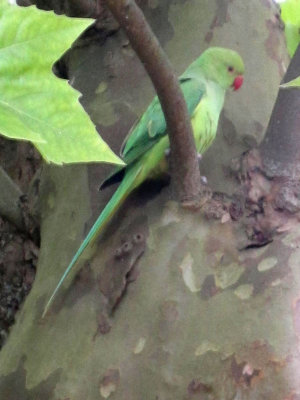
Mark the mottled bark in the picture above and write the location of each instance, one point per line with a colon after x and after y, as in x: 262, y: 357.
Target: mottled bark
x: 269, y: 175
x: 187, y: 310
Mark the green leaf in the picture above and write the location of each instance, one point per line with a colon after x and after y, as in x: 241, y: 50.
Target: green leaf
x: 295, y: 83
x: 34, y: 104
x: 290, y: 14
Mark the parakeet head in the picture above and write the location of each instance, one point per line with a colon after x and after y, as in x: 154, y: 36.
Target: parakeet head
x: 223, y: 66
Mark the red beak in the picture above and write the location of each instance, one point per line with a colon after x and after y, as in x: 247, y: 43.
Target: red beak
x: 237, y: 83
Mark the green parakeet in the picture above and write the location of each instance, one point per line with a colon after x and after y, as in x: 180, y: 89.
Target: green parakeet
x: 203, y: 84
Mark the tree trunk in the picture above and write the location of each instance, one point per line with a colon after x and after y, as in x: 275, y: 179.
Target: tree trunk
x: 173, y: 304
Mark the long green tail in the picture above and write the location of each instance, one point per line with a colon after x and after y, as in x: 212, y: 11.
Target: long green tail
x: 126, y: 186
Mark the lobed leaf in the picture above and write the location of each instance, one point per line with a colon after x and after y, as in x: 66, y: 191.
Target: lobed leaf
x: 34, y: 104
x: 290, y: 14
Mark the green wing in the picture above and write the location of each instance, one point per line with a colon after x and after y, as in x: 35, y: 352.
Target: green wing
x: 152, y: 125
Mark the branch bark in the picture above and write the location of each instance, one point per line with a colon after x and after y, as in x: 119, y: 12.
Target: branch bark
x: 271, y: 173
x: 280, y: 147
x: 183, y: 158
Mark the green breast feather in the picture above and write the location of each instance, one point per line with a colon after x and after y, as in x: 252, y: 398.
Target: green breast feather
x: 206, y: 116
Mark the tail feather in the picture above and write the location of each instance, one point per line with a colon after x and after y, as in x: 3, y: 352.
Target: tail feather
x: 126, y: 186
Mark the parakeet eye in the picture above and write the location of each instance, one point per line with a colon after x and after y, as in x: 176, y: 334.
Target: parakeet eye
x: 230, y: 69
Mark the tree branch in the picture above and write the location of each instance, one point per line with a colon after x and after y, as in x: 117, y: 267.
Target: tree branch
x: 280, y: 147
x: 9, y: 200
x: 184, y: 163
x: 270, y: 174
